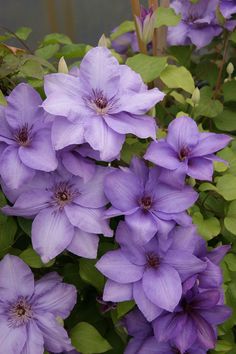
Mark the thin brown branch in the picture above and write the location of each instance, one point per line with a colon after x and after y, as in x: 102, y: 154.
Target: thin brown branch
x: 154, y: 5
x: 135, y: 5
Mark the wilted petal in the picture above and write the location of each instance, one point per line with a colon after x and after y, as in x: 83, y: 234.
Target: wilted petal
x: 84, y: 244
x: 117, y: 292
x: 51, y: 233
x: 12, y: 339
x: 115, y: 266
x: 163, y: 286
x: 162, y: 154
x: 16, y: 279
x: 35, y: 342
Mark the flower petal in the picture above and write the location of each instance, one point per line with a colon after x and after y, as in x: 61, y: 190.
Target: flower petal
x: 117, y: 292
x: 151, y: 346
x: 143, y: 225
x: 177, y: 35
x: 12, y: 339
x: 78, y: 165
x: 115, y: 266
x: 182, y: 133
x: 35, y: 342
x: 84, y: 244
x: 16, y: 279
x: 162, y: 154
x: 211, y: 277
x: 163, y: 286
x: 168, y: 326
x: 205, y: 332
x: 200, y: 168
x: 51, y: 233
x: 210, y: 143
x: 216, y: 315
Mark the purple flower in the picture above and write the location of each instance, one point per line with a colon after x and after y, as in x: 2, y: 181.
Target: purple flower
x: 186, y: 151
x: 194, y: 320
x: 124, y: 42
x: 198, y: 25
x: 29, y: 309
x: 100, y: 106
x: 228, y: 9
x: 26, y: 136
x: 147, y: 204
x: 67, y: 212
x: 150, y: 274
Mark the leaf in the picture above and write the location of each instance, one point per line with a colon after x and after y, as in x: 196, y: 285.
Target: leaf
x: 25, y: 225
x: 230, y: 220
x: 130, y: 149
x: 229, y: 91
x: 178, y: 77
x: 7, y: 234
x: 124, y: 27
x: 71, y: 51
x: 90, y: 274
x: 208, y: 228
x: 207, y: 71
x: 53, y: 38
x: 166, y: 16
x: 86, y: 339
x: 148, y: 67
x: 230, y: 260
x: 226, y: 186
x: 207, y: 187
x: 226, y: 120
x: 23, y: 32
x: 207, y: 106
x: 182, y: 54
x: 233, y: 37
x: 124, y: 307
x: 48, y: 51
x: 3, y: 101
x: 30, y: 257
x: 33, y: 69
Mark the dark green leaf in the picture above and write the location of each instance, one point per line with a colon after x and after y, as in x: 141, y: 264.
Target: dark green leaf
x: 90, y: 274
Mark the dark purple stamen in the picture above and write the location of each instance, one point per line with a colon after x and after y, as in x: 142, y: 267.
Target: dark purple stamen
x: 146, y: 203
x: 22, y: 136
x: 184, y: 152
x: 153, y: 261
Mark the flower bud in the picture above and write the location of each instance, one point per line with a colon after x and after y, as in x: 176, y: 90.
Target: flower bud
x: 104, y: 41
x: 230, y: 69
x: 196, y: 96
x: 62, y: 66
x: 146, y: 23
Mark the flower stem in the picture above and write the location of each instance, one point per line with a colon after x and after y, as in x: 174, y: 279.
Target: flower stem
x: 219, y: 78
x: 154, y: 5
x: 135, y: 5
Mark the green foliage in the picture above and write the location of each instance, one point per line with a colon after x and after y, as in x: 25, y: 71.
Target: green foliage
x: 124, y: 27
x: 178, y: 77
x: 166, y: 17
x: 90, y: 274
x: 31, y: 258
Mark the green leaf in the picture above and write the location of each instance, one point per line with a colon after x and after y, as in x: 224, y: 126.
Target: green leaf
x: 90, y: 274
x: 124, y: 27
x: 166, y: 16
x: 208, y: 228
x: 207, y: 187
x: 86, y: 339
x: 226, y: 120
x: 23, y: 32
x: 230, y: 220
x: 131, y: 148
x: 229, y: 155
x: 7, y: 234
x: 207, y: 71
x: 3, y: 101
x: 229, y: 91
x: 148, y: 67
x: 25, y: 225
x: 53, y: 38
x: 207, y: 106
x: 182, y: 54
x: 32, y: 68
x: 226, y: 186
x: 124, y: 307
x: 30, y: 257
x: 230, y: 260
x: 48, y: 51
x: 71, y: 51
x: 233, y: 37
x: 178, y: 77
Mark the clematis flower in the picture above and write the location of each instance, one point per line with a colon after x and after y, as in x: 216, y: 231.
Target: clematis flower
x: 148, y: 274
x: 194, y: 320
x: 186, y: 151
x: 198, y: 25
x: 125, y: 42
x: 67, y: 212
x: 146, y: 24
x: 100, y: 106
x: 29, y: 310
x: 26, y: 136
x: 147, y: 204
x: 228, y: 9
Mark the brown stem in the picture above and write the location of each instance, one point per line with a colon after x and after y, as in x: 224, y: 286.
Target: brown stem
x: 219, y: 78
x: 135, y: 5
x: 154, y: 5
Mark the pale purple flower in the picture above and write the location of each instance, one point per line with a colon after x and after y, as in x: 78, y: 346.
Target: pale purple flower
x: 147, y: 204
x: 186, y: 151
x: 125, y: 42
x: 67, y: 212
x: 100, y: 106
x: 28, y: 310
x: 198, y: 24
x: 149, y: 274
x: 26, y: 136
x: 194, y: 320
x: 228, y: 9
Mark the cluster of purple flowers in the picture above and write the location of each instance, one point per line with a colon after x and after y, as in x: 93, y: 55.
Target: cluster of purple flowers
x: 48, y: 153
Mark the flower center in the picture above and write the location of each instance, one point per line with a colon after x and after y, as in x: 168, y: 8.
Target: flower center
x: 146, y: 203
x: 153, y: 260
x: 64, y: 193
x: 22, y: 136
x: 186, y: 306
x: 101, y: 102
x: 19, y: 313
x: 184, y: 152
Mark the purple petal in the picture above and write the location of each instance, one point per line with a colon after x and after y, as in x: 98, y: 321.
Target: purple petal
x: 217, y: 314
x: 39, y: 154
x: 35, y: 342
x: 61, y: 83
x: 162, y: 154
x: 177, y: 35
x: 187, y: 336
x: 217, y: 254
x: 205, y: 333
x: 130, y: 80
x: 12, y: 339
x: 168, y: 326
x: 200, y: 168
x: 206, y: 299
x: 210, y: 143
x: 56, y: 339
x: 143, y: 225
x: 78, y: 165
x: 117, y: 292
x: 23, y: 106
x: 174, y: 178
x: 115, y: 266
x: 149, y: 310
x: 88, y: 219
x: 124, y: 123
x: 182, y: 132
x: 133, y: 346
x: 185, y: 263
x: 137, y: 325
x: 102, y: 138
x: 99, y: 71
x: 184, y: 238
x: 151, y: 346
x: 13, y: 171
x: 163, y: 286
x: 16, y: 279
x: 211, y: 277
x: 180, y: 218
x: 202, y: 37
x: 84, y: 244
x: 65, y: 133
x: 51, y: 233
x: 122, y: 189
